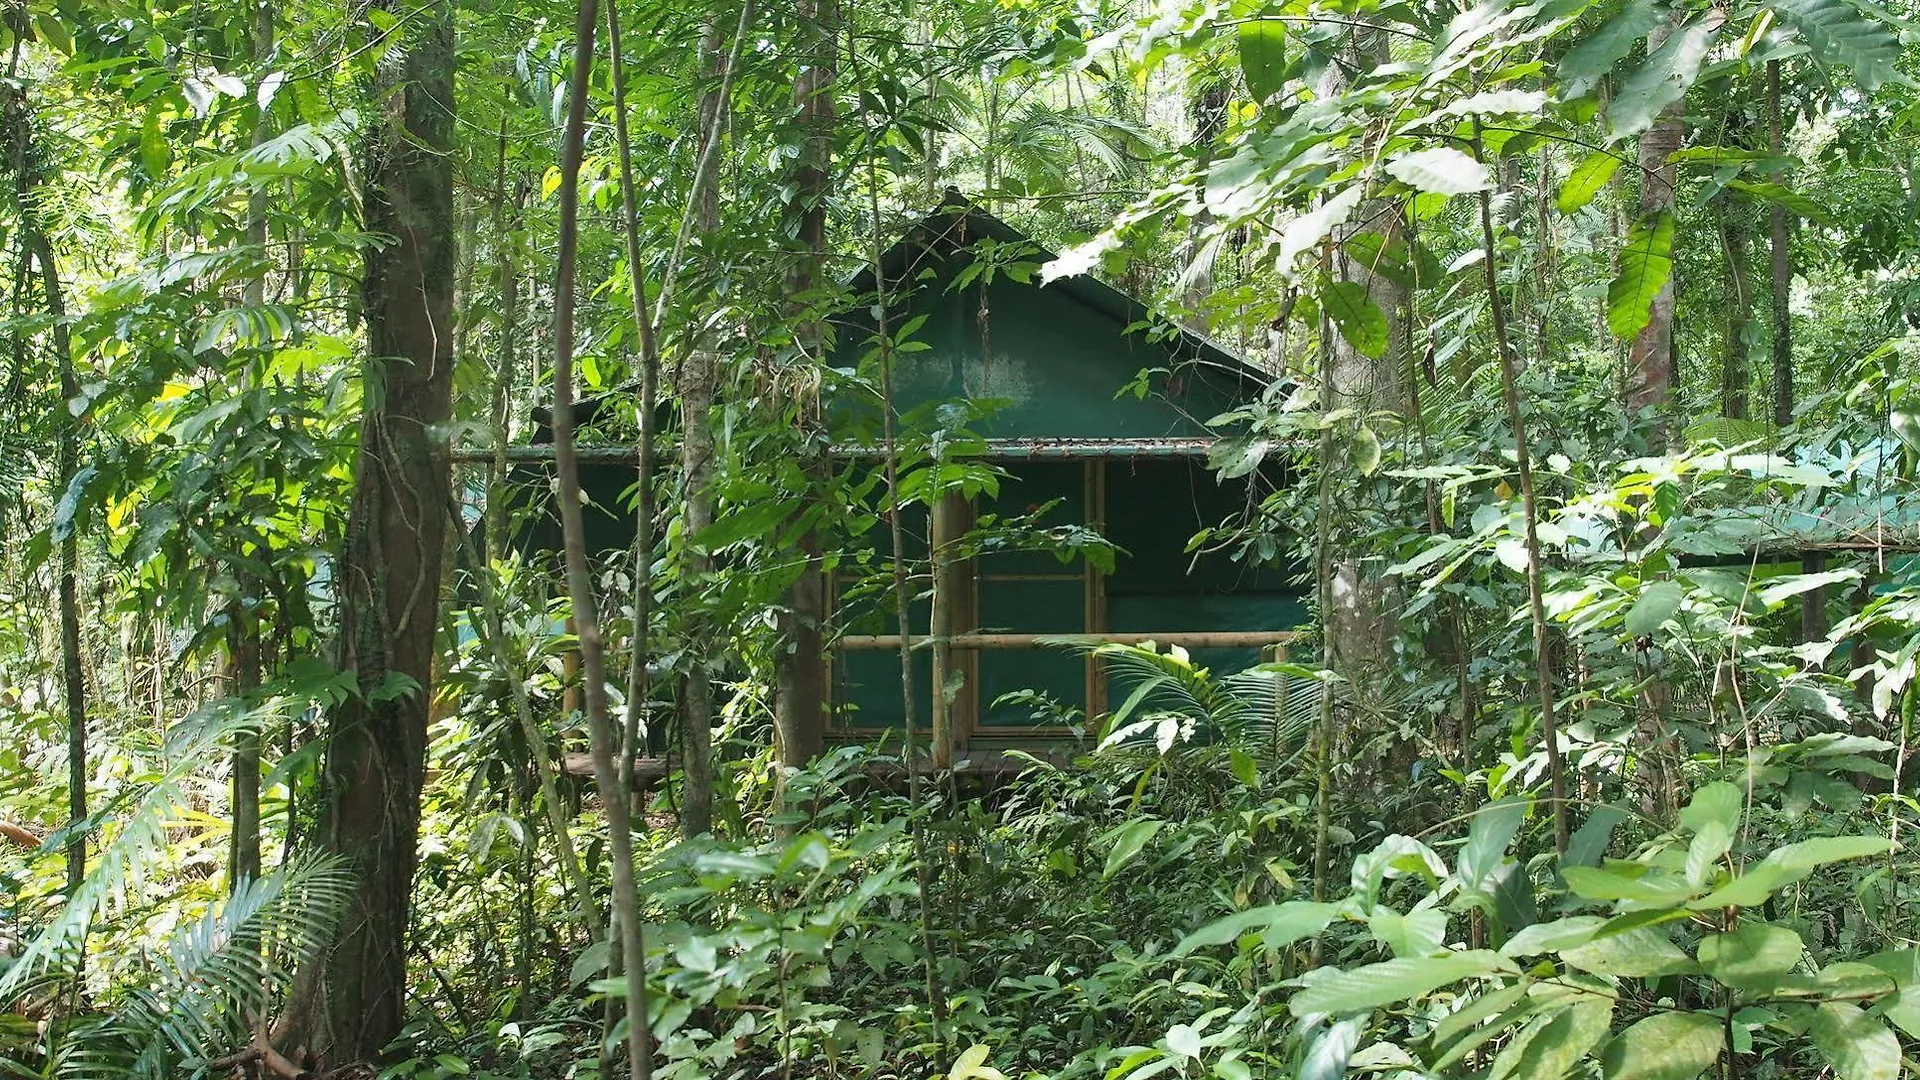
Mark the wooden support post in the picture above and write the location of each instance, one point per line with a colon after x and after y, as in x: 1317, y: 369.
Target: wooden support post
x: 1096, y: 590
x: 952, y: 690
x: 571, y: 699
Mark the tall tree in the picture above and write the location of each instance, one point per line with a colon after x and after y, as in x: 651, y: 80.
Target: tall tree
x: 699, y: 387
x: 1362, y: 621
x: 1650, y: 366
x: 800, y: 670
x: 37, y: 252
x: 1780, y: 266
x: 1736, y: 375
x: 389, y: 577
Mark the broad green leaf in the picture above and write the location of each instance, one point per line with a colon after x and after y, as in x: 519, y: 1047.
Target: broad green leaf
x: 1752, y: 955
x: 1128, y: 840
x: 1616, y: 881
x: 1493, y: 829
x: 1415, y: 934
x: 1718, y: 802
x: 1587, y: 179
x: 1327, y: 1055
x: 1584, y: 65
x: 1365, y: 451
x: 1550, y: 1046
x: 1788, y: 864
x: 1282, y: 924
x: 1713, y: 815
x: 1840, y: 33
x: 1183, y: 1040
x: 1358, y: 318
x: 1858, y: 1046
x: 1305, y: 233
x: 1590, y: 840
x: 53, y: 30
x: 972, y: 1063
x: 1263, y: 57
x: 1781, y: 195
x: 1641, y: 953
x: 1663, y: 80
x: 1441, y: 170
x: 1646, y: 264
x: 1374, y: 985
x: 1781, y: 589
x: 1665, y: 1046
x: 1553, y: 936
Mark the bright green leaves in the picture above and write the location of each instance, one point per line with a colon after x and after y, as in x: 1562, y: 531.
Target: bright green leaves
x: 1440, y: 170
x: 1550, y: 1046
x: 1643, y: 952
x: 1373, y: 985
x: 1665, y: 1046
x: 1128, y: 841
x: 1751, y: 955
x: 1839, y: 34
x: 1788, y: 864
x: 1359, y: 320
x: 1858, y: 1046
x: 1646, y: 265
x: 1278, y: 924
x: 1656, y: 604
x: 1587, y: 178
x: 1584, y: 65
x: 1664, y: 79
x: 1263, y: 57
x: 1713, y: 815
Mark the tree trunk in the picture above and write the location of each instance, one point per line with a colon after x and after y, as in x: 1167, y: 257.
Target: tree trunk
x: 1736, y: 375
x: 799, y: 695
x: 1363, y: 619
x: 396, y: 535
x: 1650, y: 357
x: 72, y: 677
x: 699, y: 386
x: 1780, y: 257
x: 243, y: 862
x: 23, y: 159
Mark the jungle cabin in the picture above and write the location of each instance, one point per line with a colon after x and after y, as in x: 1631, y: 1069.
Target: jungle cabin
x: 1097, y: 417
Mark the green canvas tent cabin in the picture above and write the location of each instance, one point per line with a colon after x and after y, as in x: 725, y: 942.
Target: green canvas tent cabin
x: 1082, y: 439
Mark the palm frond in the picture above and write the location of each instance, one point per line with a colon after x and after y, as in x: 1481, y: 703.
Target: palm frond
x: 217, y: 978
x: 1264, y: 709
x: 110, y: 883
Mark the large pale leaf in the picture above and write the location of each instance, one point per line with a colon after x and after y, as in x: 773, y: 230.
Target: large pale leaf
x: 1441, y: 170
x: 1281, y: 924
x: 1665, y: 1046
x: 1664, y: 79
x: 1584, y: 65
x: 1751, y: 955
x: 1308, y: 231
x: 1128, y: 840
x: 1643, y: 952
x: 1646, y: 264
x: 1858, y: 1046
x: 1374, y: 985
x: 1655, y: 605
x: 1550, y: 1046
x: 1788, y: 864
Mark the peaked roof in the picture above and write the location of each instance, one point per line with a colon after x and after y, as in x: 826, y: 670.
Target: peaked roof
x: 958, y: 222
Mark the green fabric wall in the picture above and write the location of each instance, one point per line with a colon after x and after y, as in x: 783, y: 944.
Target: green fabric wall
x: 1153, y: 508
